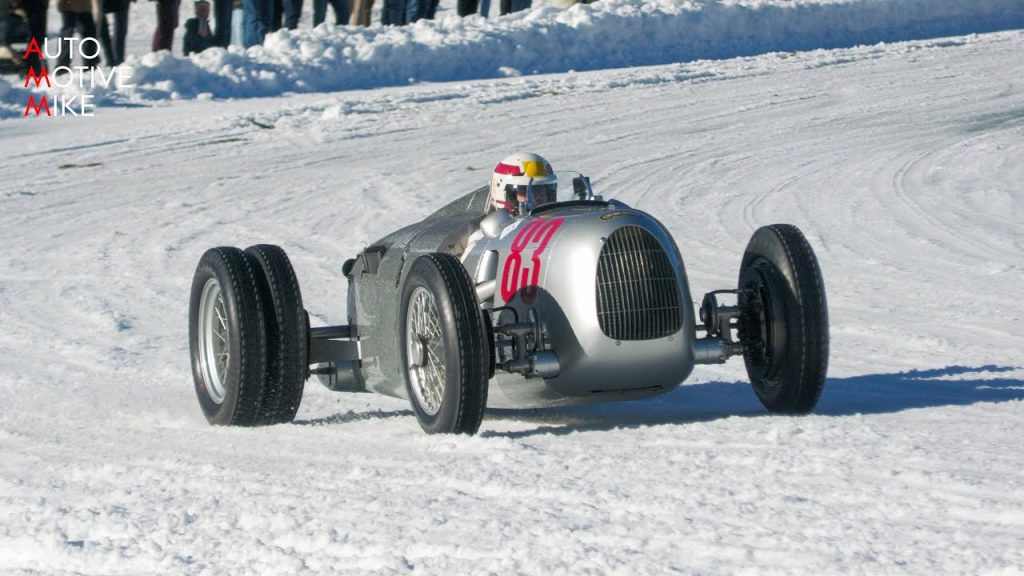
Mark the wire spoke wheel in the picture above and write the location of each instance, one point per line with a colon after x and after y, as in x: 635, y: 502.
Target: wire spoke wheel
x: 214, y: 340
x: 443, y: 346
x: 425, y: 351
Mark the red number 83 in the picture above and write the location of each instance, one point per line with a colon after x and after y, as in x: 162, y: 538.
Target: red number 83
x: 519, y: 279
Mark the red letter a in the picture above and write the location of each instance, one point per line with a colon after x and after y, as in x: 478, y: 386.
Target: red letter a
x: 33, y: 46
x: 37, y: 77
x: 37, y: 107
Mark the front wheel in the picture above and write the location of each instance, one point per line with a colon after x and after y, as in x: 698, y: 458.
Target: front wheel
x: 443, y: 345
x: 784, y: 321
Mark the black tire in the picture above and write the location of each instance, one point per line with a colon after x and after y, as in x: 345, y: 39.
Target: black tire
x: 229, y: 394
x: 287, y: 357
x: 458, y: 407
x: 784, y: 323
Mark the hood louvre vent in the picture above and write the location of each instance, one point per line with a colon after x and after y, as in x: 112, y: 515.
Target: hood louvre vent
x: 637, y: 292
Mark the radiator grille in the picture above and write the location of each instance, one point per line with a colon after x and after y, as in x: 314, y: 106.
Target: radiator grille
x: 637, y: 292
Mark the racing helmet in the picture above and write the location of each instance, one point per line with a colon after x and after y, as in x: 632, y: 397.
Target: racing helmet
x: 513, y: 175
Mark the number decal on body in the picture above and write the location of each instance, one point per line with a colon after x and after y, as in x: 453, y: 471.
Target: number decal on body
x: 517, y: 278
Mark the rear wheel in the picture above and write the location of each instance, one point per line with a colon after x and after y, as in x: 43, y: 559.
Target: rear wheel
x: 784, y: 323
x: 443, y: 343
x: 286, y: 324
x: 227, y: 338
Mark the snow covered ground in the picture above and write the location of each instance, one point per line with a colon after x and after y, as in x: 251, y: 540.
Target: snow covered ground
x: 901, y: 162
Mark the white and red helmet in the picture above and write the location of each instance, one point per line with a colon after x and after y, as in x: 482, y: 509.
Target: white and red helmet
x: 515, y: 173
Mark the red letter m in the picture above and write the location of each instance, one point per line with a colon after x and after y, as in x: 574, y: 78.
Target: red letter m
x: 32, y: 76
x: 37, y: 107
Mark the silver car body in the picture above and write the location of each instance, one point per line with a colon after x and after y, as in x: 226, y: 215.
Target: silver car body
x: 604, y: 284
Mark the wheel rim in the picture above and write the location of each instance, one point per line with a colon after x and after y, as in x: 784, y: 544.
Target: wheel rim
x: 214, y: 340
x: 424, y: 349
x: 764, y: 331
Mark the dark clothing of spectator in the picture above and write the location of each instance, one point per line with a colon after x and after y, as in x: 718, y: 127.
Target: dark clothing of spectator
x: 9, y: 62
x: 166, y: 22
x: 393, y: 12
x: 4, y: 5
x: 198, y: 36
x: 35, y: 12
x: 222, y: 13
x: 86, y: 27
x: 341, y: 11
x: 361, y: 10
x: 286, y: 13
x: 466, y: 7
x: 402, y: 12
x: 509, y: 6
x: 113, y: 48
x: 258, y: 14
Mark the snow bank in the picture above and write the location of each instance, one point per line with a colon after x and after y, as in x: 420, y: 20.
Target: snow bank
x: 547, y: 39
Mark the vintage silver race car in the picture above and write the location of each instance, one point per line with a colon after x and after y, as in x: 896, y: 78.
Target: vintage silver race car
x: 583, y: 300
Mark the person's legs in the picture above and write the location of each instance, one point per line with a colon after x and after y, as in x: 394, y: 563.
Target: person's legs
x: 341, y: 11
x: 166, y: 22
x: 67, y: 31
x: 222, y: 22
x: 87, y: 27
x: 319, y: 11
x: 257, y: 21
x: 292, y: 12
x: 276, y: 14
x: 120, y: 33
x: 414, y: 10
x: 364, y: 15
x: 393, y: 12
x: 35, y: 11
x: 108, y: 49
x: 466, y: 7
x: 4, y: 5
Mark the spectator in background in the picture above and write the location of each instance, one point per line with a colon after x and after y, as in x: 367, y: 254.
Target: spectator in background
x: 238, y: 24
x: 392, y: 12
x: 76, y: 15
x: 35, y: 13
x: 341, y: 12
x: 431, y: 8
x: 113, y: 49
x: 166, y: 22
x: 291, y: 10
x: 222, y: 13
x: 7, y: 58
x: 361, y: 13
x: 198, y: 34
x: 402, y: 12
x: 258, y: 14
x: 509, y: 6
x: 466, y: 7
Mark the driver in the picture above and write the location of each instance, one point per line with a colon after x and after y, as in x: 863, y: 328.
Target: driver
x: 513, y: 175
x: 512, y: 178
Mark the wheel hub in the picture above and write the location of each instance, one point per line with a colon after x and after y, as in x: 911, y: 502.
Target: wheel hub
x: 762, y: 328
